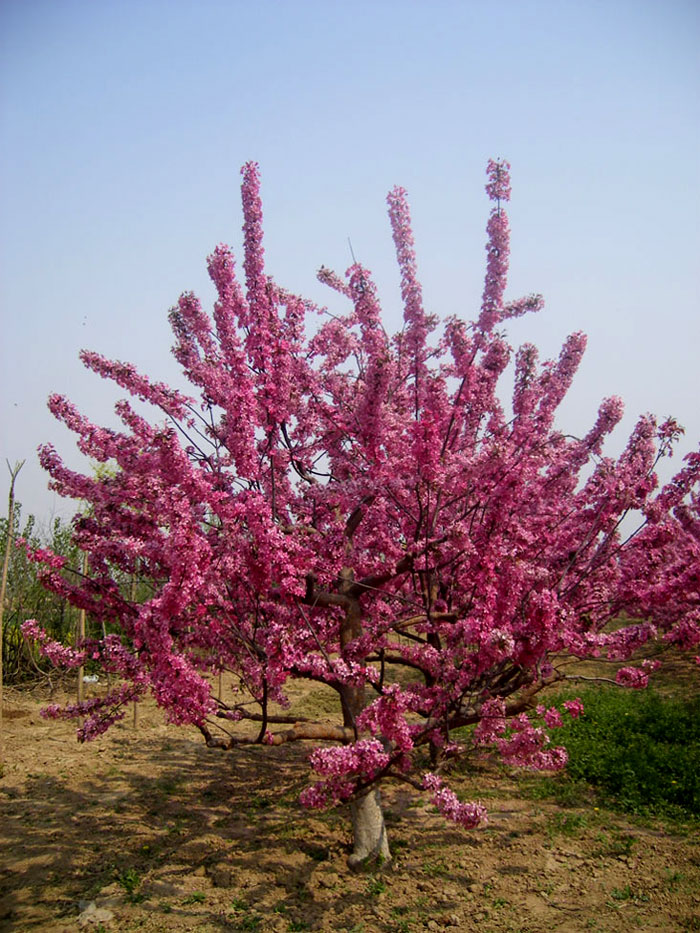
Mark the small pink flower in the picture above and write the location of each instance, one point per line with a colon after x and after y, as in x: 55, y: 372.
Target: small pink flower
x: 573, y: 707
x: 552, y: 718
x: 633, y: 677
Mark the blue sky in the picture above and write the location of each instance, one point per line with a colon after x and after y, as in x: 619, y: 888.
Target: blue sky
x: 124, y: 126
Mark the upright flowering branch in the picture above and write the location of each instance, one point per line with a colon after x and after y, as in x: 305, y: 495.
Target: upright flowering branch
x: 498, y: 246
x: 254, y: 262
x: 336, y: 504
x: 377, y: 362
x: 416, y: 324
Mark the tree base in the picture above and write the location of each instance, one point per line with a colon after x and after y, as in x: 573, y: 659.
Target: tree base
x: 371, y: 845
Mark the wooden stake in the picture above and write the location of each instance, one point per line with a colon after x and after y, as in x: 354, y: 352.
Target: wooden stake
x: 80, y: 638
x: 132, y: 597
x: 109, y: 676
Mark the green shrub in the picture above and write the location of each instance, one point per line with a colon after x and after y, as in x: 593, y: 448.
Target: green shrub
x: 640, y: 751
x: 26, y: 597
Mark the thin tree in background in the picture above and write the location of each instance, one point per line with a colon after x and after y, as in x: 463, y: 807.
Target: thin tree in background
x: 80, y: 638
x: 3, y: 585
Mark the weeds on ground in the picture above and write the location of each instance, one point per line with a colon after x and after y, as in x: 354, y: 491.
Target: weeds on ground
x: 566, y: 824
x: 627, y: 894
x: 130, y: 880
x: 198, y: 897
x: 617, y: 845
x: 376, y: 886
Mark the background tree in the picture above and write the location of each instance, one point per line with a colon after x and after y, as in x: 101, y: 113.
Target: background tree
x: 3, y: 583
x: 361, y: 510
x: 26, y: 596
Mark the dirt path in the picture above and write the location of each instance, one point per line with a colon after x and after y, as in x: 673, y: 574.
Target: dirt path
x: 149, y: 830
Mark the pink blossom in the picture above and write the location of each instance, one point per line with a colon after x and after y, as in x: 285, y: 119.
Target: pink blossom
x: 634, y: 677
x: 58, y: 654
x: 497, y: 250
x: 328, y: 277
x: 552, y: 718
x: 498, y: 187
x: 362, y: 758
x: 573, y: 707
x: 468, y: 815
x: 492, y: 722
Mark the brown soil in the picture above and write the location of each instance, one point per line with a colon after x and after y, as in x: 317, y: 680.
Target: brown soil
x: 146, y: 829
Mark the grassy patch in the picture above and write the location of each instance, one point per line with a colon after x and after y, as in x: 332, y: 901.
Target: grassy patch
x: 640, y: 751
x: 566, y: 824
x: 561, y: 787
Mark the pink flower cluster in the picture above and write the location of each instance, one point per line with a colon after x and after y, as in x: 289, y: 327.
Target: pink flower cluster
x: 498, y: 187
x: 99, y: 713
x: 386, y: 716
x: 574, y: 707
x: 327, y: 793
x: 552, y: 716
x: 518, y: 741
x: 40, y: 555
x: 637, y: 677
x: 59, y: 655
x: 363, y: 759
x: 468, y: 815
x: 526, y: 747
x: 343, y: 767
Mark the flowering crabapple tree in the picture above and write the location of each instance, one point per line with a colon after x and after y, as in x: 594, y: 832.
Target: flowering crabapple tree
x: 343, y: 506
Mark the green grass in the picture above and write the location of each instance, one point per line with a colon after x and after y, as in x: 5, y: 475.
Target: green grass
x: 376, y: 886
x: 566, y: 824
x: 130, y: 880
x: 640, y: 752
x: 251, y: 922
x: 628, y: 894
x: 198, y: 897
x: 614, y: 845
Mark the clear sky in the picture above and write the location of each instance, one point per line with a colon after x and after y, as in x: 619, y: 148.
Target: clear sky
x: 124, y: 124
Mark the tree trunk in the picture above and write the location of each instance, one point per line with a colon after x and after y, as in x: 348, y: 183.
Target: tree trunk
x: 370, y: 841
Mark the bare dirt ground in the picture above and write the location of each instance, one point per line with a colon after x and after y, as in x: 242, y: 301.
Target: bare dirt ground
x: 146, y: 829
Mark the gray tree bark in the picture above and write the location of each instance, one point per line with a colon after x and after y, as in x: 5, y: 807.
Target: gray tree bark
x: 371, y: 844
